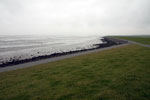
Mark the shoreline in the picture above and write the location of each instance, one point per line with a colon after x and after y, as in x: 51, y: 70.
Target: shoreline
x: 107, y: 42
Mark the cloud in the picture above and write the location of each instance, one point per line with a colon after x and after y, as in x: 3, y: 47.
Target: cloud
x: 74, y: 17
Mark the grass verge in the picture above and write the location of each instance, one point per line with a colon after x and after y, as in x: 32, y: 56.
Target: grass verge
x: 116, y: 74
x: 140, y: 39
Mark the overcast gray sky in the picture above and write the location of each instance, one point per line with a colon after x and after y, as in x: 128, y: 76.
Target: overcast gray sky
x: 74, y: 17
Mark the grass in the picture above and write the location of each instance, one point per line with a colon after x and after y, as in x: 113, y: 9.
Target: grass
x: 140, y: 39
x: 117, y: 74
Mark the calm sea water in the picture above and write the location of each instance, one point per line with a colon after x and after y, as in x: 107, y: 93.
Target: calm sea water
x: 23, y: 47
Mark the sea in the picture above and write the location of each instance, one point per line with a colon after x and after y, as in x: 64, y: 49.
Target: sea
x: 28, y: 46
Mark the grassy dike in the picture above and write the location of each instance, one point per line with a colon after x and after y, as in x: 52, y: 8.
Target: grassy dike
x: 116, y: 74
x: 140, y: 39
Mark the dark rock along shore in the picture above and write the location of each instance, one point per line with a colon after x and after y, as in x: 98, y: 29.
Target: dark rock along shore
x: 107, y: 42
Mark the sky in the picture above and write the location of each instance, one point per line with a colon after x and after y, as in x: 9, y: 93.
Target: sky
x: 74, y: 17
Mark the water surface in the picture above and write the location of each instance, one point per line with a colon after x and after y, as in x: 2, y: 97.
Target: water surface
x: 23, y: 47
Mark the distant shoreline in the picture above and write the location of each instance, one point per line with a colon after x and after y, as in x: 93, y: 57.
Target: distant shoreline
x: 107, y: 42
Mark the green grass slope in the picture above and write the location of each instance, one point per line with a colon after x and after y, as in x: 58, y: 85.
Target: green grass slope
x: 117, y: 74
x: 140, y: 39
